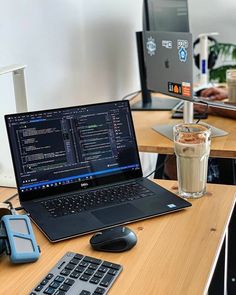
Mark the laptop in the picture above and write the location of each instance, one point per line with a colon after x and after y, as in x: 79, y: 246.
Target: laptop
x: 78, y: 170
x: 169, y: 66
x: 169, y: 63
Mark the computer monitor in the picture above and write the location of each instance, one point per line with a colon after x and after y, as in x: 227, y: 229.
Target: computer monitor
x: 169, y: 60
x: 159, y: 15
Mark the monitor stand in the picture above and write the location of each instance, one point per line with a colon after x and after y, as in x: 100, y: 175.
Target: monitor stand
x: 167, y: 130
x: 155, y: 104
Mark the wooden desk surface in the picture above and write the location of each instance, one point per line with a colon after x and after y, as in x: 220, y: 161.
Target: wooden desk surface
x: 151, y: 141
x: 175, y: 253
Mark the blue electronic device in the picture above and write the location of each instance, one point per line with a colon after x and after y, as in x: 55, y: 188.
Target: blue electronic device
x: 20, y: 241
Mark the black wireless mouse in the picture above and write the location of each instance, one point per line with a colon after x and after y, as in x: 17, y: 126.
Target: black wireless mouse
x: 116, y: 239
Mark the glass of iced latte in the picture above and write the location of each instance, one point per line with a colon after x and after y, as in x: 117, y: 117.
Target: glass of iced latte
x: 192, y: 148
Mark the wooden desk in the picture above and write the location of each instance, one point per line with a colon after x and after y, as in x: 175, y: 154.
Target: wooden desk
x: 151, y: 141
x: 175, y: 253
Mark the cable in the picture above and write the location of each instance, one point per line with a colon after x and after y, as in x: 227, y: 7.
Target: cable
x: 160, y: 166
x: 204, y: 112
x: 134, y: 94
x: 10, y: 198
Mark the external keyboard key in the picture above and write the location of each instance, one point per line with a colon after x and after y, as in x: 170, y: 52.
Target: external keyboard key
x: 74, y: 261
x: 84, y: 278
x: 83, y: 263
x: 44, y: 282
x: 49, y: 276
x: 59, y: 279
x: 78, y: 256
x: 80, y: 268
x: 39, y: 288
x: 111, y: 265
x: 65, y: 272
x: 94, y: 280
x: 75, y: 274
x: 69, y: 282
x: 54, y: 285
x: 93, y: 266
x: 92, y: 260
x: 49, y: 291
x: 106, y: 280
x: 64, y: 287
x: 99, y: 274
x: 70, y: 266
x: 89, y: 272
x: 99, y: 291
x: 112, y: 272
x: 103, y: 269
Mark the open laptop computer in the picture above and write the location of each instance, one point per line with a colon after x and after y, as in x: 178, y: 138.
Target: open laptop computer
x: 78, y: 170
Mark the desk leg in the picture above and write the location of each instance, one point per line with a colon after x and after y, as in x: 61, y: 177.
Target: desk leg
x: 226, y: 261
x: 218, y: 285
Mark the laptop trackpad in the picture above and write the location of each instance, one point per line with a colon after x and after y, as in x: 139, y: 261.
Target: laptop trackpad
x: 116, y: 214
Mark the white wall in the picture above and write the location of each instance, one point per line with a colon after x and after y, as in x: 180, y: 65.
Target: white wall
x: 213, y: 16
x: 82, y: 51
x: 76, y: 52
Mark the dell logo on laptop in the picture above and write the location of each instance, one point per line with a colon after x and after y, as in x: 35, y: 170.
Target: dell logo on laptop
x: 84, y: 184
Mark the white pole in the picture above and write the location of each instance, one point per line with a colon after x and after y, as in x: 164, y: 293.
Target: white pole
x: 204, y: 59
x: 19, y: 85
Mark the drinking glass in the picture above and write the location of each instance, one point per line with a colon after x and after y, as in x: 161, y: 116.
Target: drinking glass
x: 192, y: 148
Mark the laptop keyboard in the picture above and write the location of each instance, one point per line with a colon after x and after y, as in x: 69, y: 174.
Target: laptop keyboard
x: 76, y: 203
x: 76, y: 274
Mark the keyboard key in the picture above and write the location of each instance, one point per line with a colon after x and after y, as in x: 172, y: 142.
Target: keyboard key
x: 89, y: 272
x: 84, y: 278
x: 54, y: 284
x: 44, y: 282
x: 59, y: 292
x: 92, y: 260
x: 103, y: 269
x: 99, y: 291
x: 65, y: 272
x: 75, y: 274
x: 69, y: 282
x: 94, y: 280
x: 59, y: 279
x: 112, y: 272
x: 49, y: 291
x: 80, y: 268
x: 111, y: 265
x: 78, y: 256
x: 99, y: 274
x: 49, y: 276
x: 70, y: 266
x: 39, y: 288
x: 83, y: 263
x: 85, y: 293
x: 64, y: 287
x: 106, y: 280
x: 74, y: 261
x: 93, y: 266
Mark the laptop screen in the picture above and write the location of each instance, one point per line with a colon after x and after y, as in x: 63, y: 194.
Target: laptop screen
x: 73, y: 148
